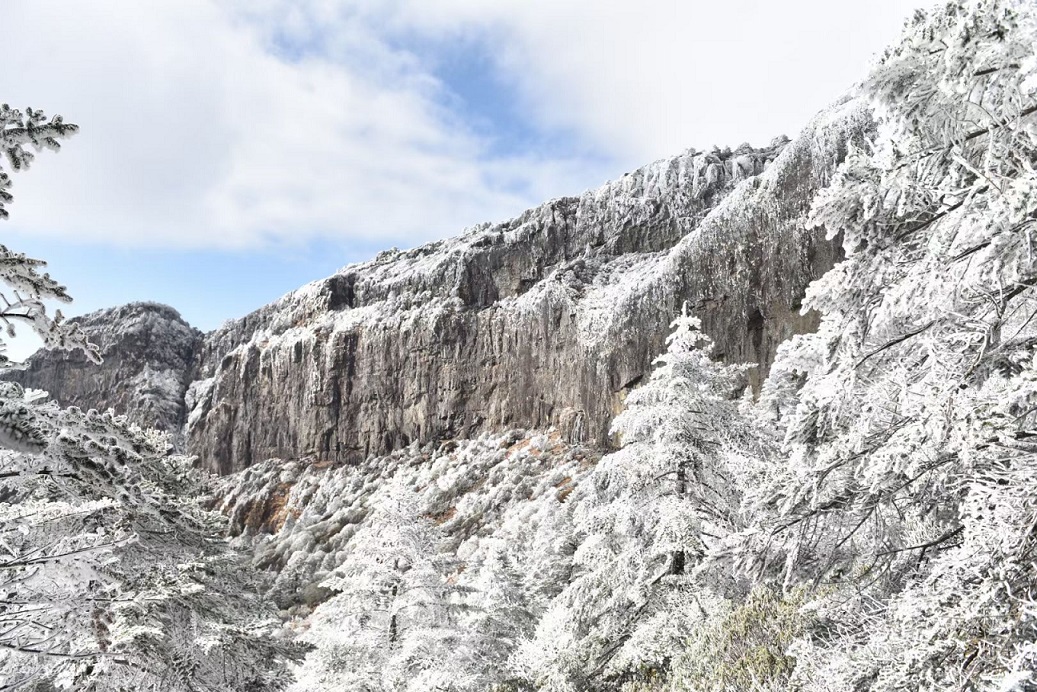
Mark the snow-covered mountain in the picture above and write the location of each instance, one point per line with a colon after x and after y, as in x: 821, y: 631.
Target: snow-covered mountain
x: 609, y: 446
x: 483, y: 371
x: 546, y: 320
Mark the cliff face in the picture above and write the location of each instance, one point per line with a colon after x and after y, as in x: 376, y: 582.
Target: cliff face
x: 545, y: 320
x: 148, y: 352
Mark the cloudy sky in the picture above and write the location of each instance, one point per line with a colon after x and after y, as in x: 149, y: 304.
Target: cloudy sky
x: 232, y: 150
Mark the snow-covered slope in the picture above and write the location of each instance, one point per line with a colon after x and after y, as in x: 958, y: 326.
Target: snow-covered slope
x: 297, y: 517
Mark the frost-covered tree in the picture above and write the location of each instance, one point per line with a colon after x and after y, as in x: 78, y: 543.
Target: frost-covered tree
x: 112, y: 575
x: 909, y: 485
x: 684, y: 429
x: 647, y: 517
x: 26, y: 288
x: 498, y: 614
x: 392, y: 623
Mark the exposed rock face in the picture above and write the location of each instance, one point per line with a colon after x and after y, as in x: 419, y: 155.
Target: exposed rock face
x: 148, y: 352
x: 545, y: 320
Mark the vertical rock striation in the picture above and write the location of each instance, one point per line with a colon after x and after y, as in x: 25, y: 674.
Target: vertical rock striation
x: 545, y: 320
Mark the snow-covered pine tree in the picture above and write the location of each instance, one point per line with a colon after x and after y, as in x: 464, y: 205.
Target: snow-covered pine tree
x: 392, y: 623
x: 648, y: 515
x: 909, y: 491
x: 498, y: 615
x: 685, y: 431
x: 112, y: 576
x: 27, y: 288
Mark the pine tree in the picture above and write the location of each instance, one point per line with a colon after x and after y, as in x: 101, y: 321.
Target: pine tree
x: 684, y: 425
x: 392, y: 622
x: 115, y: 578
x: 26, y: 287
x: 498, y: 615
x: 112, y: 576
x: 647, y: 517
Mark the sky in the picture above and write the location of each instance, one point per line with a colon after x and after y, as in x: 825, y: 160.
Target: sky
x: 233, y: 150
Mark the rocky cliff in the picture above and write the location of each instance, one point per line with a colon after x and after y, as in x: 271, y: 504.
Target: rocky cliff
x: 149, y: 353
x: 543, y: 321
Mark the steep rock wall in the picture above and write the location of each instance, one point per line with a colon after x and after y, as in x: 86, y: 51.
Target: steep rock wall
x: 546, y: 320
x: 543, y: 321
x: 148, y: 351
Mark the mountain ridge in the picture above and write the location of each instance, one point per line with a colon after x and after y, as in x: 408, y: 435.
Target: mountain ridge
x: 482, y: 331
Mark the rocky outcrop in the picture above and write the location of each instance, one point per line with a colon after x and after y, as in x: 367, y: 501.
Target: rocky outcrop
x: 149, y: 353
x: 543, y: 321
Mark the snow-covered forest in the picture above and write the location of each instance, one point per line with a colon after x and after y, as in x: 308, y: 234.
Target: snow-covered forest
x: 864, y: 519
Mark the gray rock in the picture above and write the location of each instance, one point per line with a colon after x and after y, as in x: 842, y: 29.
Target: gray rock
x: 545, y: 320
x: 148, y: 351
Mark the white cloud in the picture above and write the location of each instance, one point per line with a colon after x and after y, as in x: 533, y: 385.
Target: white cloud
x: 237, y: 123
x: 646, y: 79
x: 194, y: 133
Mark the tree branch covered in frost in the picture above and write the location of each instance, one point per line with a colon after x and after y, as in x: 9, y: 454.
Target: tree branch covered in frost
x: 112, y: 575
x: 908, y: 437
x: 27, y: 288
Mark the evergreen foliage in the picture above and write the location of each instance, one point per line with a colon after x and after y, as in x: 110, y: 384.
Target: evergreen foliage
x: 112, y: 575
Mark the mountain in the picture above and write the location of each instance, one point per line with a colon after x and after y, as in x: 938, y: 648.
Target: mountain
x: 149, y: 353
x: 484, y: 370
x: 546, y: 320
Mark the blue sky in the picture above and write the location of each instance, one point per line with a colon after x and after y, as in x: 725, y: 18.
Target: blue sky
x: 232, y: 150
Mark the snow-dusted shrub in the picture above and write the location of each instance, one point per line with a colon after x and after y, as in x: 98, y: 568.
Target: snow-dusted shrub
x: 745, y: 647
